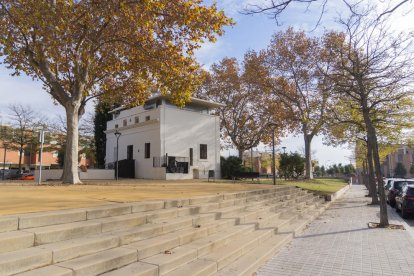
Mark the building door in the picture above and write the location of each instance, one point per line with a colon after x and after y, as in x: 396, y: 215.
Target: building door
x: 130, y: 152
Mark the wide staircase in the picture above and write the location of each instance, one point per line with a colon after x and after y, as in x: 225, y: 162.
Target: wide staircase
x: 224, y: 234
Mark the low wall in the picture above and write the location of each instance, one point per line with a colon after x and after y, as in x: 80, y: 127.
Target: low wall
x: 92, y: 174
x: 339, y: 193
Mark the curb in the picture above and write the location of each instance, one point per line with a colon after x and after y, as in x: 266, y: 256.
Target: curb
x: 396, y: 216
x: 338, y: 194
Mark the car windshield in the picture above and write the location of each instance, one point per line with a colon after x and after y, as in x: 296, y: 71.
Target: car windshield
x: 398, y: 185
x: 410, y: 192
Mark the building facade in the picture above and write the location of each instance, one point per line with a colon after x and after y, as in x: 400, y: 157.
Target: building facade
x: 404, y: 155
x: 163, y: 141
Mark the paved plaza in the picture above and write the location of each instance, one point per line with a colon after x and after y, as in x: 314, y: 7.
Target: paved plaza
x: 340, y: 243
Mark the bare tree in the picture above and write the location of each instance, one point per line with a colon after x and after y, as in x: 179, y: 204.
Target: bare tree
x: 24, y: 120
x: 275, y: 8
x: 373, y: 70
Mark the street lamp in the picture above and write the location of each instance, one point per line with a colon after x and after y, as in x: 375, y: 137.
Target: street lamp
x: 5, y: 145
x: 284, y: 150
x: 41, y: 140
x: 273, y: 126
x: 117, y: 134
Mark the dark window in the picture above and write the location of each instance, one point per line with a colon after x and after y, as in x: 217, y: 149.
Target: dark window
x: 136, y: 119
x: 410, y: 191
x: 130, y: 152
x: 116, y: 126
x: 147, y: 118
x: 203, y: 151
x: 147, y: 150
x: 191, y: 156
x: 124, y: 123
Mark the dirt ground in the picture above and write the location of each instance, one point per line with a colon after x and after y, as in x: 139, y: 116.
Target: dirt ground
x: 23, y: 197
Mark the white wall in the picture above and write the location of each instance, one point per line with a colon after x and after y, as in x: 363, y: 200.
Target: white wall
x: 182, y: 130
x: 137, y: 135
x: 170, y: 131
x: 92, y: 174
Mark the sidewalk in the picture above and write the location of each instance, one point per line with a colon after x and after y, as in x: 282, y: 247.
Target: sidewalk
x: 340, y: 243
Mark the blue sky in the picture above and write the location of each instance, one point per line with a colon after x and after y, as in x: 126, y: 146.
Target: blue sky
x: 250, y: 32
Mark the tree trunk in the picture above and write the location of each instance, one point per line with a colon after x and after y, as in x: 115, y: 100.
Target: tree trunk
x: 20, y: 158
x: 365, y: 176
x: 308, y: 156
x: 371, y: 176
x: 240, y: 153
x: 70, y: 166
x: 373, y: 143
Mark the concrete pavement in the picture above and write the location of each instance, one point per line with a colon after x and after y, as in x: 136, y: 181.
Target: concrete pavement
x: 340, y: 243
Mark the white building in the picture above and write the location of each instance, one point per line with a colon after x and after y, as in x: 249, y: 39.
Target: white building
x: 166, y: 142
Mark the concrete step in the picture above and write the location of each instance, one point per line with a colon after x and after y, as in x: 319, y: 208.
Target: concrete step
x: 238, y: 247
x: 197, y: 267
x: 9, y: 223
x: 173, y: 258
x: 135, y: 269
x: 122, y: 222
x: 15, y: 240
x: 101, y: 262
x: 39, y: 219
x: 48, y: 270
x: 61, y: 232
x: 24, y: 260
x: 220, y: 239
x: 74, y: 248
x: 247, y: 264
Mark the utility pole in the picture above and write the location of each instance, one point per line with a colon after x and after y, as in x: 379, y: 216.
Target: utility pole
x: 4, y: 159
x: 117, y: 134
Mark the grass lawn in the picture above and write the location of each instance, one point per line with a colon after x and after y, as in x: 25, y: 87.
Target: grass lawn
x: 322, y: 186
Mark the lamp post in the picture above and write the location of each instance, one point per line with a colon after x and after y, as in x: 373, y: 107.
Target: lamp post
x: 41, y: 140
x: 5, y: 145
x: 117, y: 134
x: 273, y: 126
x: 284, y: 150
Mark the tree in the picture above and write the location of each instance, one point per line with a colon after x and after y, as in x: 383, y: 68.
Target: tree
x: 24, y: 121
x: 275, y: 8
x: 118, y: 50
x: 291, y: 165
x: 400, y: 170
x: 245, y: 114
x: 102, y: 116
x: 323, y: 171
x: 412, y: 169
x: 294, y: 62
x: 373, y: 68
x: 230, y: 166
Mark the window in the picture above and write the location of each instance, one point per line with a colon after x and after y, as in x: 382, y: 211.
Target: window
x: 191, y: 156
x: 147, y: 118
x: 124, y: 123
x: 130, y: 152
x: 136, y: 119
x: 203, y: 151
x: 116, y: 126
x: 147, y: 150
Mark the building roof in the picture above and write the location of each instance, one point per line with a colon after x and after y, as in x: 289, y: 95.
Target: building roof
x: 206, y: 103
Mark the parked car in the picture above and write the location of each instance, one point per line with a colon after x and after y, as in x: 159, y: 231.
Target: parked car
x: 404, y: 201
x: 9, y: 174
x: 396, y: 187
x: 26, y: 176
x: 388, y: 185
